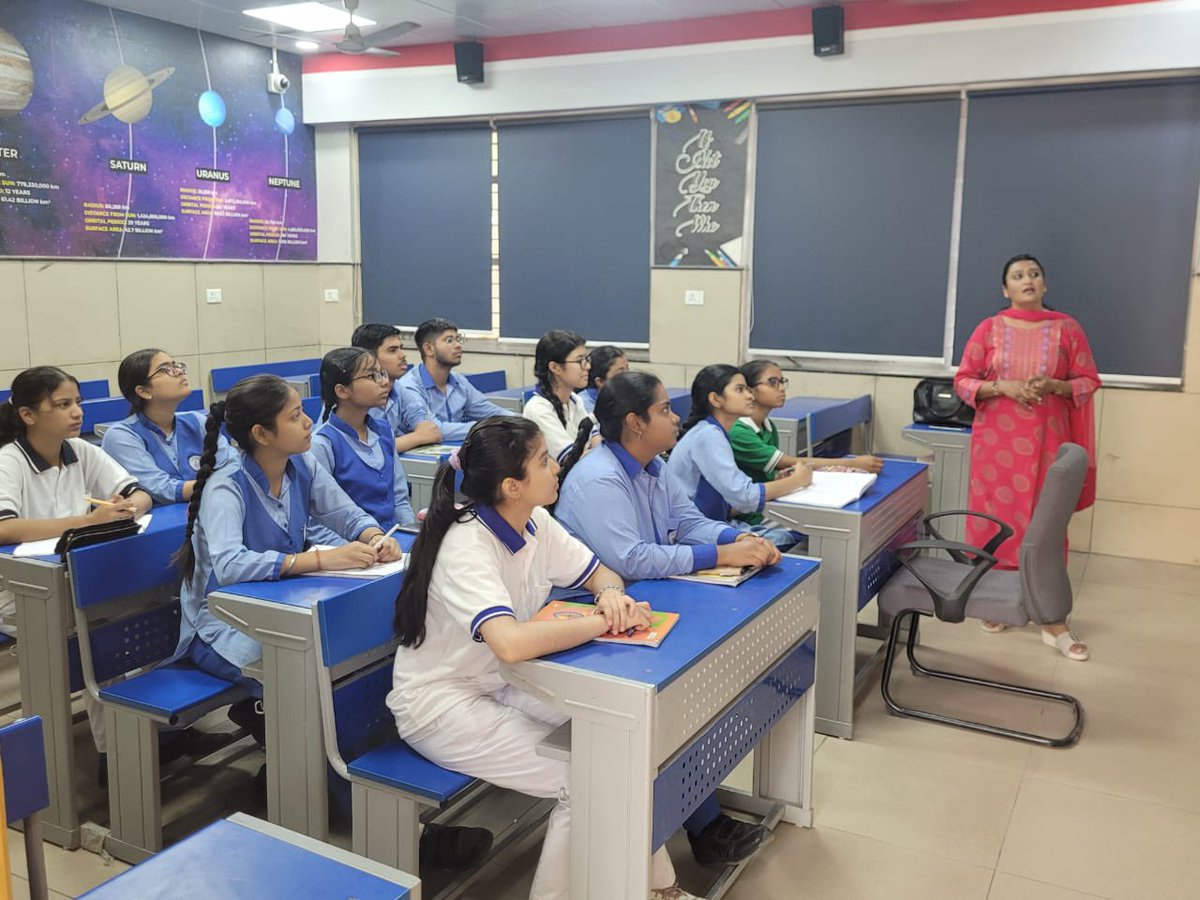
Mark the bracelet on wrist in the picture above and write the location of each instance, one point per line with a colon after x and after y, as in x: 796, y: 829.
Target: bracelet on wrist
x: 607, y: 587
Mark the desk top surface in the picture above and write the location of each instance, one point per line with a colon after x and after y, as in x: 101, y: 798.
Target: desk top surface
x: 802, y: 407
x: 173, y: 515
x: 411, y: 456
x: 708, y: 615
x: 517, y: 392
x: 229, y: 859
x: 895, y: 475
x: 949, y: 429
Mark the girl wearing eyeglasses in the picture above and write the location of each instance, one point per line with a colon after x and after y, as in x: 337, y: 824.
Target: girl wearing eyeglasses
x: 159, y: 445
x: 755, y: 439
x: 355, y: 447
x: 561, y: 364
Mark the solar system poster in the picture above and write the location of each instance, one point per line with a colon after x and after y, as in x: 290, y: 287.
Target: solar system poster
x: 126, y: 137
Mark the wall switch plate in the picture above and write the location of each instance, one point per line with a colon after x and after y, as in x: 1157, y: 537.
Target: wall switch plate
x: 213, y: 295
x: 693, y: 298
x: 331, y: 295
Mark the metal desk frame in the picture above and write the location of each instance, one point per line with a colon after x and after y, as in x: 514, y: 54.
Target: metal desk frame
x: 950, y: 473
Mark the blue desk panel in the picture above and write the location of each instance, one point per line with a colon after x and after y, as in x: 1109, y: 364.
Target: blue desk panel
x: 708, y: 615
x: 227, y: 861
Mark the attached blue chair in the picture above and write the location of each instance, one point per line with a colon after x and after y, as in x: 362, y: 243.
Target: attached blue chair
x: 26, y: 792
x: 127, y: 620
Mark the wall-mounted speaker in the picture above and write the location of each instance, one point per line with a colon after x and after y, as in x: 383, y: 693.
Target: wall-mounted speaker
x: 829, y: 31
x: 468, y: 60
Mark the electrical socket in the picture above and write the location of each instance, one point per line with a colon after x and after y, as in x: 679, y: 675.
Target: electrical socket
x: 693, y: 298
x: 213, y: 295
x: 331, y: 295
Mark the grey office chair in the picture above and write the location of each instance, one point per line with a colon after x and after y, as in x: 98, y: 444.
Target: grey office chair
x: 967, y: 586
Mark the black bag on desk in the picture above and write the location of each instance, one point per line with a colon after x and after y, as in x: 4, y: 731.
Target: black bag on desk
x: 935, y: 403
x: 85, y: 536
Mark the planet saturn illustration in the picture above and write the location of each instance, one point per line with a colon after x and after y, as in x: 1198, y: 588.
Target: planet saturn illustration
x: 16, y: 75
x: 128, y: 95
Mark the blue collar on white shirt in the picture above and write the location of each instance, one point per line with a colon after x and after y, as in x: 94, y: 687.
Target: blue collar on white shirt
x: 254, y: 470
x: 496, y: 524
x: 632, y: 467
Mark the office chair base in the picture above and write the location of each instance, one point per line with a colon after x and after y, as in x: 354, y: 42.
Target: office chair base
x: 999, y: 731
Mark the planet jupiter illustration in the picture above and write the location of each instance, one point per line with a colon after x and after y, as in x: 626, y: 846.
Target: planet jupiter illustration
x: 16, y: 75
x: 128, y: 95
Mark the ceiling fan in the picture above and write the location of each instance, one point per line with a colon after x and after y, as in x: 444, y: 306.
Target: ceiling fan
x: 353, y: 40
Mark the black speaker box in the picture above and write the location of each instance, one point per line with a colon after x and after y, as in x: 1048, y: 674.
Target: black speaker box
x: 829, y: 31
x: 468, y: 59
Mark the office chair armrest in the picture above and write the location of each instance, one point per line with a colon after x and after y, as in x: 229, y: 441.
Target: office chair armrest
x: 991, y: 546
x: 949, y: 607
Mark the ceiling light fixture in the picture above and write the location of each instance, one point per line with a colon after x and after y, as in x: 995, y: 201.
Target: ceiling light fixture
x: 310, y: 17
x: 307, y: 46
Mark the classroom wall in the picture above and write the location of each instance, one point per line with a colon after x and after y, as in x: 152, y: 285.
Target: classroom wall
x: 86, y: 315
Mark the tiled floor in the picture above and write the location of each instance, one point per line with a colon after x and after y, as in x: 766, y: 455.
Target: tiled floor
x: 909, y: 809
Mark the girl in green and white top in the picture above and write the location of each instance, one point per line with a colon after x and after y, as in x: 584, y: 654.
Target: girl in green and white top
x: 755, y: 438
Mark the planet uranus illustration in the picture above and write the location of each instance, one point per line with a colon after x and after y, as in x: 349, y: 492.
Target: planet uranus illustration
x: 128, y: 95
x: 212, y: 109
x: 285, y: 121
x: 16, y: 75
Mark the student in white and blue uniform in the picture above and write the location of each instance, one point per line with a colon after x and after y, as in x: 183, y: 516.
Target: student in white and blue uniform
x: 450, y: 400
x: 246, y: 522
x: 354, y: 446
x: 561, y: 365
x: 616, y: 502
x: 157, y: 444
x: 476, y: 577
x: 703, y: 466
x: 411, y: 425
x: 606, y: 362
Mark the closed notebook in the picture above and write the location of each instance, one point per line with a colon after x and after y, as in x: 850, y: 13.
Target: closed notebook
x: 832, y: 490
x: 435, y: 450
x: 661, y: 623
x: 730, y: 576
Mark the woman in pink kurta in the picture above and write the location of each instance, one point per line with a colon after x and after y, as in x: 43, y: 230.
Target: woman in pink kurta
x: 1028, y: 372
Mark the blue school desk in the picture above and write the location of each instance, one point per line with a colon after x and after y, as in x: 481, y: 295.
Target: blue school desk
x: 804, y: 422
x: 49, y: 666
x: 278, y: 614
x: 420, y: 468
x: 654, y: 731
x: 950, y: 472
x: 242, y: 857
x: 855, y: 546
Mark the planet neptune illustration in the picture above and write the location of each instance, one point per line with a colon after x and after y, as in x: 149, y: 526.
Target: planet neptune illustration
x: 285, y: 121
x: 128, y: 95
x: 16, y: 75
x: 212, y: 109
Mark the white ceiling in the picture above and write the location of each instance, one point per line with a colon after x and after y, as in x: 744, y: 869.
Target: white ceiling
x: 447, y: 20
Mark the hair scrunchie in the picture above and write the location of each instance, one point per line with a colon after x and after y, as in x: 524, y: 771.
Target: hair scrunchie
x: 454, y: 462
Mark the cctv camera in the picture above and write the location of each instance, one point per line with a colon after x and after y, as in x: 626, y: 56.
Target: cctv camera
x: 277, y: 83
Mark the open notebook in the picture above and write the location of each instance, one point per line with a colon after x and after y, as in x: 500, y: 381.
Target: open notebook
x: 730, y: 576
x: 661, y: 623
x: 832, y: 490
x: 379, y: 570
x: 435, y: 450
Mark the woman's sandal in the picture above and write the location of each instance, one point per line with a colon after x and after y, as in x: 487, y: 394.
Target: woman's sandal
x: 1066, y: 644
x: 992, y: 627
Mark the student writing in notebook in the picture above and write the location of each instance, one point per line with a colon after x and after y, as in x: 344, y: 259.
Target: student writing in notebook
x: 157, y: 444
x: 410, y: 424
x: 703, y: 466
x: 641, y: 526
x: 476, y: 577
x: 356, y: 447
x: 246, y: 522
x: 47, y: 475
x: 561, y: 364
x: 755, y: 439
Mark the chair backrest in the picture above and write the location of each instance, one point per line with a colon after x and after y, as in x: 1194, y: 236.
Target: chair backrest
x: 114, y: 409
x: 312, y: 407
x: 23, y: 758
x: 225, y: 378
x: 486, y: 382
x: 1045, y: 584
x: 356, y: 641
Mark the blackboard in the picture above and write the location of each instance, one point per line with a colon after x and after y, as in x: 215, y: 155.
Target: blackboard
x: 700, y: 183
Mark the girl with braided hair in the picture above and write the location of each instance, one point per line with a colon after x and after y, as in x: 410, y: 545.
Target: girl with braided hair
x: 246, y: 521
x: 561, y: 365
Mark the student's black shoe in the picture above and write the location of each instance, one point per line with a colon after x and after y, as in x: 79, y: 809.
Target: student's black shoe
x: 446, y: 847
x: 259, y: 785
x: 245, y: 714
x: 102, y: 770
x: 727, y: 840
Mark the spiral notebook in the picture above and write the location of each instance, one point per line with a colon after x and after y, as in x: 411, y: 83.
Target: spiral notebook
x: 661, y: 623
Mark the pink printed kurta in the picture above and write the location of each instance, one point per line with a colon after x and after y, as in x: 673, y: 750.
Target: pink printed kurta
x: 1012, y: 445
